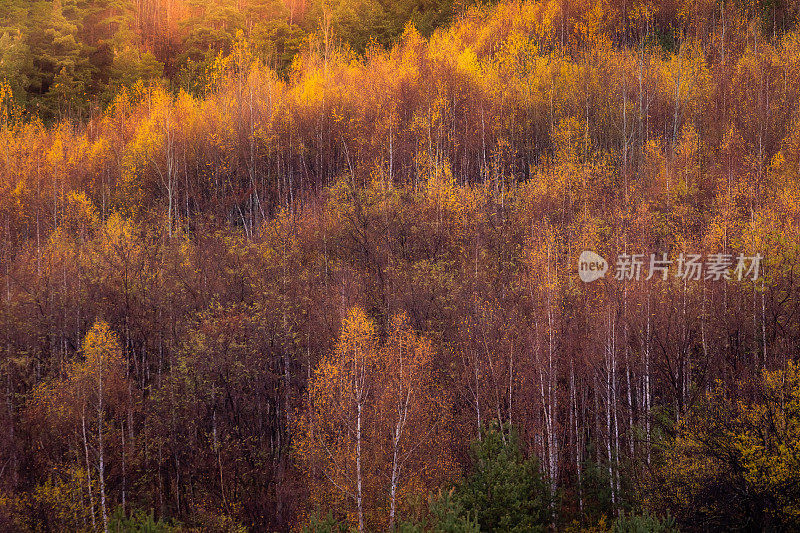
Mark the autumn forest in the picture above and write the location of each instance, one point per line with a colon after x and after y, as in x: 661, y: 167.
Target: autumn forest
x: 313, y: 265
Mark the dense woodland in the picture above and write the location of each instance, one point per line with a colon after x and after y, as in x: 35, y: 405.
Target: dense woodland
x: 313, y: 266
x: 69, y: 58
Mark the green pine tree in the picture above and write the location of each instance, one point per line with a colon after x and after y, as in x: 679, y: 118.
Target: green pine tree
x: 506, y: 492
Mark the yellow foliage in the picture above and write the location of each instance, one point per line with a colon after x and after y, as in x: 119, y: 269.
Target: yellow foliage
x: 445, y: 194
x: 387, y: 412
x: 750, y: 448
x: 102, y: 350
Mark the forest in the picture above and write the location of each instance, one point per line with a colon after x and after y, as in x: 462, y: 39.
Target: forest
x: 313, y: 266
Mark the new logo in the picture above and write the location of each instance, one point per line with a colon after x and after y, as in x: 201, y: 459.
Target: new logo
x: 591, y: 266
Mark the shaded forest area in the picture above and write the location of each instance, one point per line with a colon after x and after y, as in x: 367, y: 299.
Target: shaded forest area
x: 341, y: 291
